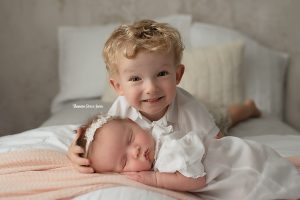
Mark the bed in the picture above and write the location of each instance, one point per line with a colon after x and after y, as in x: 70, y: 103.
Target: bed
x: 236, y: 67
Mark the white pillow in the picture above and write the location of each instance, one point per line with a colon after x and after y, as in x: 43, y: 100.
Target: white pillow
x: 263, y: 69
x: 109, y: 95
x: 82, y: 72
x: 212, y: 74
x: 182, y: 23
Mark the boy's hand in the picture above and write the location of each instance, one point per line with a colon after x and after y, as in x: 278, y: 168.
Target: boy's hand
x: 79, y: 163
x: 145, y: 177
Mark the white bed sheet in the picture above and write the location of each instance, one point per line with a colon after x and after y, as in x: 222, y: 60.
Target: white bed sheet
x: 270, y: 131
x: 59, y: 138
x: 54, y: 135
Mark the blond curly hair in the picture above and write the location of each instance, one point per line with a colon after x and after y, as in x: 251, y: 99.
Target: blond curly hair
x: 144, y: 35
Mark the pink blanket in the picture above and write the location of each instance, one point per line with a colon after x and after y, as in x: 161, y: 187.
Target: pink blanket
x: 47, y: 174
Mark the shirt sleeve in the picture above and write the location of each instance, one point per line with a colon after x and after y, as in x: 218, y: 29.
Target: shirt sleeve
x: 183, y: 155
x: 193, y: 116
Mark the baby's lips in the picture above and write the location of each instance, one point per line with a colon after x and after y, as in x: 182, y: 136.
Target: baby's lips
x: 151, y: 156
x: 146, y: 154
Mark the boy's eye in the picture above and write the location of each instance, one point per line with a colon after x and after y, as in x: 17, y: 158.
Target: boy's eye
x: 163, y: 73
x: 134, y: 78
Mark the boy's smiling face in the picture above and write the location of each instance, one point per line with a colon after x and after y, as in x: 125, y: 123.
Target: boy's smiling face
x: 148, y: 82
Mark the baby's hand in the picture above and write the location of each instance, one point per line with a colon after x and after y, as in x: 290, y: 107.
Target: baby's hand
x: 145, y: 177
x: 74, y: 151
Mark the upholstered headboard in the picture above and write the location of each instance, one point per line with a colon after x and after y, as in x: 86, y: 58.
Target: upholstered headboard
x: 223, y: 66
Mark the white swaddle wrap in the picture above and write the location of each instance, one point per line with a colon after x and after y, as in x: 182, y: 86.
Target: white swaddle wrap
x: 183, y: 155
x: 234, y: 168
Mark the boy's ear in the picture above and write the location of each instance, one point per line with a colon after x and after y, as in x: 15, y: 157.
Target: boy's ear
x: 116, y: 85
x: 179, y: 73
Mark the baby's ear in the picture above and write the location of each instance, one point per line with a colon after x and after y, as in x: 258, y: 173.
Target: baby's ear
x: 117, y: 86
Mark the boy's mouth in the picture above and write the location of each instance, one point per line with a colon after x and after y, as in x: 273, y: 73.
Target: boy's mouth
x: 153, y: 100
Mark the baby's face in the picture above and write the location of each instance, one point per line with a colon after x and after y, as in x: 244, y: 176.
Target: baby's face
x: 122, y: 146
x: 148, y: 82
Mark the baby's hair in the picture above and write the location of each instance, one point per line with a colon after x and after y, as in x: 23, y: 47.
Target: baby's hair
x: 144, y: 35
x: 81, y: 141
x: 99, y: 121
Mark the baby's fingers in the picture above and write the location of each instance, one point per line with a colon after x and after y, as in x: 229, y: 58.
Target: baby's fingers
x: 128, y: 173
x: 133, y: 176
x: 145, y: 177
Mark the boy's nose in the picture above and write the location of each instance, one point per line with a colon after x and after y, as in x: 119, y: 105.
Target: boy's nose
x: 150, y: 86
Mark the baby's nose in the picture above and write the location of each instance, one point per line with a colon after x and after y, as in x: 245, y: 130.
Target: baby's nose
x: 136, y: 151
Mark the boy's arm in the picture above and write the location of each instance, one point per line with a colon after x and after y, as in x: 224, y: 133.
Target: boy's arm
x: 172, y: 181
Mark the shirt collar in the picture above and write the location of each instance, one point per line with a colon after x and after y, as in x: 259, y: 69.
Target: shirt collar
x: 136, y: 116
x: 133, y: 114
x: 170, y: 116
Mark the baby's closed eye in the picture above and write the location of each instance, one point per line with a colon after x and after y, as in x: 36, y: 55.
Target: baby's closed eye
x: 123, y: 162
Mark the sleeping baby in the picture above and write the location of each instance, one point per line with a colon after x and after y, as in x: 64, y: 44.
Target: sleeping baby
x: 226, y: 168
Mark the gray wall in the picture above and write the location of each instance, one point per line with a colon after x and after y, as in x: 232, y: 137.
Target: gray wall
x: 28, y: 43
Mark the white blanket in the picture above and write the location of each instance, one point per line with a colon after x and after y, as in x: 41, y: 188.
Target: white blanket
x: 241, y: 169
x: 59, y: 138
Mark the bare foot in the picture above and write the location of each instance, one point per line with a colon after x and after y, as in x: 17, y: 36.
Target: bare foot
x: 254, y: 111
x: 295, y: 160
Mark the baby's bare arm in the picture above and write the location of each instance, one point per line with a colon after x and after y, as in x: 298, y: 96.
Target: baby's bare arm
x: 172, y: 181
x: 176, y: 181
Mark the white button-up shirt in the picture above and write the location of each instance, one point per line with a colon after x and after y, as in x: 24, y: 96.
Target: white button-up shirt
x: 185, y: 114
